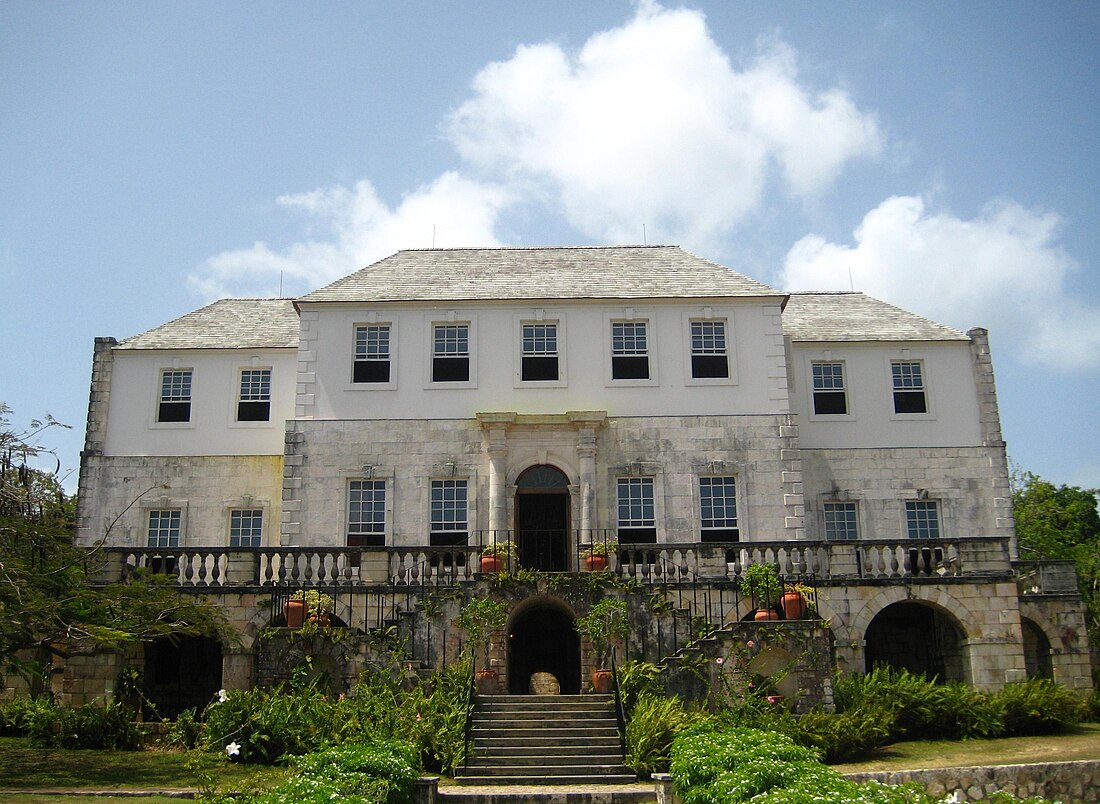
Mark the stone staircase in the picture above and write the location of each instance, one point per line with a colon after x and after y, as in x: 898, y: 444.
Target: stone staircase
x: 545, y: 739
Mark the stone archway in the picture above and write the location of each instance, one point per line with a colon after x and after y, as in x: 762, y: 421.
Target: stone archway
x: 182, y: 674
x: 919, y: 638
x: 541, y: 639
x: 1037, y: 653
x: 542, y: 519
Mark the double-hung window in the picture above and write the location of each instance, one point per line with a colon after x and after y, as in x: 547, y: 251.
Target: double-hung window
x: 246, y: 527
x: 718, y: 509
x: 164, y: 528
x: 372, y: 354
x: 709, y: 355
x: 366, y: 513
x: 841, y: 522
x: 449, y: 512
x: 909, y: 390
x: 175, y: 396
x: 254, y: 401
x: 637, y: 521
x: 629, y: 350
x: 540, y: 352
x: 830, y: 395
x: 451, y: 353
x: 922, y: 519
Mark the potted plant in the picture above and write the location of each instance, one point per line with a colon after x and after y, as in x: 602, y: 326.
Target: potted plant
x: 603, y: 625
x: 317, y: 607
x: 498, y: 556
x: 796, y: 600
x: 480, y: 618
x: 594, y: 556
x: 761, y: 583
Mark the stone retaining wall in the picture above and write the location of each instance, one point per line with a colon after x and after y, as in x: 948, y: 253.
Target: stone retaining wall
x: 1060, y: 781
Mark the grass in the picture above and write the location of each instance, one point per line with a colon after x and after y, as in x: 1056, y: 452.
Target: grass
x: 28, y: 767
x: 1082, y: 743
x: 35, y: 798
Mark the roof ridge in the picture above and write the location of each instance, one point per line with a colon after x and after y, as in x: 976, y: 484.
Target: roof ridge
x: 545, y: 248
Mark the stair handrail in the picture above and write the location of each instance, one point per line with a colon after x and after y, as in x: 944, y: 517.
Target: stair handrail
x: 471, y: 696
x: 620, y: 712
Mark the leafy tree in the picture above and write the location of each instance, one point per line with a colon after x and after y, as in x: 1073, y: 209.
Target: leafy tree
x: 1061, y: 522
x: 50, y: 600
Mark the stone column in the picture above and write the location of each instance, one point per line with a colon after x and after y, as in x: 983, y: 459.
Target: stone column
x: 586, y: 457
x: 495, y: 426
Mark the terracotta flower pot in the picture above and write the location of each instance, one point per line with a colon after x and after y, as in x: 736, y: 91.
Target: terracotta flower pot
x: 491, y: 564
x: 295, y: 613
x: 766, y: 614
x: 602, y: 681
x: 595, y: 563
x: 486, y: 681
x: 794, y: 605
x: 323, y: 619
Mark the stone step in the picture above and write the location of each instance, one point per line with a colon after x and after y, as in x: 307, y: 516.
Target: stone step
x: 554, y: 792
x: 584, y: 776
x: 534, y: 731
x: 484, y: 758
x: 537, y: 748
x: 538, y: 742
x: 547, y: 722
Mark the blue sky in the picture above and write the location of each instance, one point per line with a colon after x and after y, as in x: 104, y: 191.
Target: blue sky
x: 942, y: 156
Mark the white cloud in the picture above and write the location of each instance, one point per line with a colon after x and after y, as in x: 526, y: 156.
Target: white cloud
x: 1003, y: 270
x: 360, y: 229
x: 650, y: 123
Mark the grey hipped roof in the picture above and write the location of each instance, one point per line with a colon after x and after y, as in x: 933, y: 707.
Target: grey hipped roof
x: 848, y: 316
x: 510, y: 274
x: 226, y: 324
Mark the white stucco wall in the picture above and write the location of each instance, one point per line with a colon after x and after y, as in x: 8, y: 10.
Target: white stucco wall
x: 952, y: 418
x: 757, y: 384
x: 132, y: 428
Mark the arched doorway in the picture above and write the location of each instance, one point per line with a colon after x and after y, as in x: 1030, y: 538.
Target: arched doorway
x: 541, y: 639
x: 181, y: 674
x: 1037, y: 658
x: 542, y: 519
x: 918, y: 638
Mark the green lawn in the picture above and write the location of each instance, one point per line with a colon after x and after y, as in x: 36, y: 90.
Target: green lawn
x: 24, y: 766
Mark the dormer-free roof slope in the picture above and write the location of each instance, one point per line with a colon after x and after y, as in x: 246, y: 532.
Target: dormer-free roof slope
x: 542, y: 274
x: 845, y: 316
x: 226, y: 324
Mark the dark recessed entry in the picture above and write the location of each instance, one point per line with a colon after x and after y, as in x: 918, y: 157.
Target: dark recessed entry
x: 542, y: 640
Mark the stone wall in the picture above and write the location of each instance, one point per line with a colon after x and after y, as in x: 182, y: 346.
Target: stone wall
x: 1058, y: 781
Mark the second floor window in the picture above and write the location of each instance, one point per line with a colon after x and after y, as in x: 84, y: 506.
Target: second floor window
x: 366, y: 513
x: 709, y: 359
x: 908, y: 380
x: 449, y: 512
x: 718, y: 509
x: 629, y: 350
x: 451, y: 353
x: 164, y: 528
x: 637, y: 521
x: 841, y: 523
x: 246, y: 527
x: 175, y: 396
x: 922, y: 519
x: 372, y: 354
x: 540, y: 352
x: 254, y: 403
x: 829, y: 393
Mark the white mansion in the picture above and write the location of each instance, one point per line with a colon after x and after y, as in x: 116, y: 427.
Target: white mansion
x: 377, y: 433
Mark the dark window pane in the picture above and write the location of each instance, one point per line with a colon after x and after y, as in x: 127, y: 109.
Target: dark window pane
x: 638, y: 535
x: 450, y: 539
x: 830, y: 402
x: 371, y: 371
x: 174, y: 412
x: 253, y: 411
x: 540, y: 368
x: 703, y: 366
x: 721, y: 535
x: 630, y: 368
x: 450, y: 369
x: 366, y: 540
x: 909, y: 402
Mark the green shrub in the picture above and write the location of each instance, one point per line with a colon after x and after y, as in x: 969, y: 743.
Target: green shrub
x: 637, y: 678
x: 109, y: 727
x: 1039, y: 706
x: 968, y: 713
x: 18, y: 716
x: 263, y: 726
x: 846, y: 736
x: 186, y: 731
x: 656, y: 720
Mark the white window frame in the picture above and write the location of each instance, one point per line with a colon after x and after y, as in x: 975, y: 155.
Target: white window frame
x: 849, y: 505
x: 538, y: 319
x: 630, y: 316
x: 813, y: 390
x: 920, y: 522
x: 929, y: 412
x: 173, y: 512
x: 159, y: 398
x: 727, y: 481
x: 641, y: 523
x: 440, y: 530
x: 375, y: 536
x: 237, y: 421
x: 252, y: 510
x: 389, y: 384
x: 689, y: 322
x: 471, y: 355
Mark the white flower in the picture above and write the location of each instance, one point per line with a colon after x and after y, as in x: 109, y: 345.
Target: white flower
x: 233, y: 749
x: 952, y: 799
x: 223, y: 696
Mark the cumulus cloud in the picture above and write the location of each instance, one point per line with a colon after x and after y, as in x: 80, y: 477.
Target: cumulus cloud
x: 358, y: 228
x: 650, y: 123
x: 1003, y: 269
